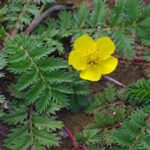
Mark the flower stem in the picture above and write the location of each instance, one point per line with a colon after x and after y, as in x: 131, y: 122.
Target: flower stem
x: 138, y: 59
x: 114, y: 81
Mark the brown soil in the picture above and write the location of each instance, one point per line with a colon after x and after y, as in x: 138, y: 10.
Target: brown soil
x: 76, y: 123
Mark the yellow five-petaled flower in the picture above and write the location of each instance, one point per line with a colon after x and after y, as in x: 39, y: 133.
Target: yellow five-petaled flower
x: 93, y: 58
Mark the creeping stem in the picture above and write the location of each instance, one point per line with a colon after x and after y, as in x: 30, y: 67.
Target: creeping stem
x: 72, y: 138
x: 45, y: 14
x: 114, y: 81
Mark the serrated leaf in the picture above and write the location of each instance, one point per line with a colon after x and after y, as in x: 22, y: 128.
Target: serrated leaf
x: 20, y: 55
x: 133, y: 10
x: 27, y: 79
x: 20, y: 67
x: 40, y: 52
x: 65, y: 20
x: 117, y: 14
x: 52, y: 64
x: 81, y: 17
x: 15, y: 135
x: 53, y: 108
x: 43, y: 102
x: 45, y: 138
x: 138, y: 92
x: 2, y: 99
x: 62, y: 88
x: 47, y: 123
x: 89, y: 136
x: 80, y: 89
x: 124, y: 44
x: 22, y: 144
x: 3, y: 60
x: 60, y: 98
x: 34, y: 93
x: 98, y: 16
x: 143, y: 34
x: 33, y: 10
x: 17, y: 116
x: 145, y: 22
x: 147, y: 55
x: 57, y: 77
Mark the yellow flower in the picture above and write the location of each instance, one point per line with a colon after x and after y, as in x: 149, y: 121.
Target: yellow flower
x: 93, y: 58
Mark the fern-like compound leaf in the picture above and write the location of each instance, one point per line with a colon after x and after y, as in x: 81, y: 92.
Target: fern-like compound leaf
x: 138, y: 93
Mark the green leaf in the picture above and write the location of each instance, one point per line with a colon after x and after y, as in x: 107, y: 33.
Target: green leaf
x: 45, y: 138
x: 20, y: 12
x: 2, y: 99
x: 60, y: 98
x: 46, y: 1
x: 53, y: 108
x: 18, y: 139
x: 16, y: 116
x: 143, y: 34
x: 22, y: 144
x: 62, y: 88
x: 19, y: 56
x: 93, y: 147
x: 132, y: 133
x: 3, y: 34
x: 34, y: 93
x: 133, y: 10
x: 40, y: 52
x: 124, y: 44
x: 80, y: 89
x: 27, y: 79
x: 138, y: 93
x: 51, y: 64
x: 81, y: 17
x: 89, y: 136
x: 112, y: 93
x: 43, y: 102
x: 65, y: 20
x: 2, y: 63
x: 147, y: 55
x: 47, y: 123
x: 20, y: 67
x: 117, y: 13
x: 33, y: 10
x: 145, y: 22
x: 57, y: 77
x: 98, y: 16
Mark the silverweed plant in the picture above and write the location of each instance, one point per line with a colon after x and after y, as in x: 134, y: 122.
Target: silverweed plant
x: 51, y: 53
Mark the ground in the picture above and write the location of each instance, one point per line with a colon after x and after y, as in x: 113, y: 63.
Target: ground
x: 126, y: 73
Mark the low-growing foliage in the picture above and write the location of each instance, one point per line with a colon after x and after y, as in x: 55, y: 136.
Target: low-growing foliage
x: 43, y: 82
x: 126, y: 21
x: 2, y: 65
x: 44, y: 85
x: 117, y: 124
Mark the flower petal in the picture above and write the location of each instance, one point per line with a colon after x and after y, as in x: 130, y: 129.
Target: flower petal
x: 77, y: 60
x: 109, y: 65
x: 106, y: 47
x: 83, y: 43
x: 91, y: 73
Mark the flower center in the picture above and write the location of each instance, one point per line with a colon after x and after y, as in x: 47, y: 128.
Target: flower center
x: 93, y: 59
x: 93, y: 56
